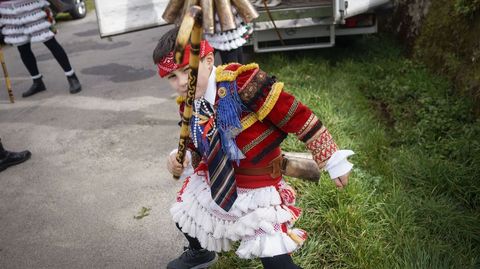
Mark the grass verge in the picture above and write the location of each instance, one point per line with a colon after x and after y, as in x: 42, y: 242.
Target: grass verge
x: 413, y: 200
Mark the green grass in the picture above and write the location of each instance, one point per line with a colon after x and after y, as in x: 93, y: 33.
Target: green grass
x: 413, y: 200
x: 90, y: 5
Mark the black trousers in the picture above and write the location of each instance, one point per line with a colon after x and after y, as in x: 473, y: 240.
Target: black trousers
x: 276, y: 262
x: 3, y: 152
x: 30, y: 62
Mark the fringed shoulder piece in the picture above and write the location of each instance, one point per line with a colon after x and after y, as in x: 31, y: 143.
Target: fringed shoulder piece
x: 230, y: 72
x: 270, y: 100
x: 230, y: 107
x: 249, y: 120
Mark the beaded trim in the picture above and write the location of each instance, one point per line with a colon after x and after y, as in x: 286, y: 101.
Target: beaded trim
x: 289, y: 115
x: 306, y: 126
x: 199, y: 119
x: 258, y: 140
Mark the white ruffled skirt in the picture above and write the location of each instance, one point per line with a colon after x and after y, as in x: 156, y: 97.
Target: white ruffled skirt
x: 230, y: 40
x: 26, y: 21
x: 261, y: 219
x: 233, y: 39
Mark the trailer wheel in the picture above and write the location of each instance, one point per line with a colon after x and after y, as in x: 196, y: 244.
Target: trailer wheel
x: 80, y: 9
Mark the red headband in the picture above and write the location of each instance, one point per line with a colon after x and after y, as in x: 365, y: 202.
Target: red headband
x: 167, y: 64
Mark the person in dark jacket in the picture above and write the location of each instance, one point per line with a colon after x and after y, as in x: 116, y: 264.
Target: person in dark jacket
x: 9, y: 158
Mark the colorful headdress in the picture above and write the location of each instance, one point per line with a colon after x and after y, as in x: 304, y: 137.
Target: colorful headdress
x: 167, y: 64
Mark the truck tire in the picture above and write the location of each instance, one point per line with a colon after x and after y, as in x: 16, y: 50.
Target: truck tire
x: 80, y: 10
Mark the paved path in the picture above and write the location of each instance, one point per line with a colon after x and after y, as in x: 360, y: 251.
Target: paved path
x: 98, y: 157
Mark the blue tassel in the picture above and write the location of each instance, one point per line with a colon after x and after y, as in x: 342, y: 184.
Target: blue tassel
x: 229, y: 110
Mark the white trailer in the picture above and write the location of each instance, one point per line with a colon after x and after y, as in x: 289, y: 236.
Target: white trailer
x: 297, y: 24
x: 308, y: 24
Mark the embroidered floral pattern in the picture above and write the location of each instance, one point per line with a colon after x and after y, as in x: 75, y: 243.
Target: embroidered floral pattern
x: 252, y: 86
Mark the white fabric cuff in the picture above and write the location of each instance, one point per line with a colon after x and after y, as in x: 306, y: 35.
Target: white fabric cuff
x: 189, y: 169
x: 338, y: 165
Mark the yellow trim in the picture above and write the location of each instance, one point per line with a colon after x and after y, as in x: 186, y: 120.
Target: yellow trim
x: 270, y: 101
x: 227, y: 75
x: 248, y: 120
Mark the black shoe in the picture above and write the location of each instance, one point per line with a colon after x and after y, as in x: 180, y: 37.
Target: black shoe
x: 36, y: 87
x: 194, y: 259
x: 75, y: 86
x: 13, y: 158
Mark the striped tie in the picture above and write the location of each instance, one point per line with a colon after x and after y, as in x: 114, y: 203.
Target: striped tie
x: 222, y: 176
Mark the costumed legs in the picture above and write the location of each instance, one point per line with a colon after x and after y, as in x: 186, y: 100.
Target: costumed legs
x: 198, y: 255
x: 62, y: 58
x: 193, y: 243
x: 279, y: 262
x: 232, y: 56
x: 194, y: 255
x: 30, y: 63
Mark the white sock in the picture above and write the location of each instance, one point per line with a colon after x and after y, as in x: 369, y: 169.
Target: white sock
x: 69, y: 73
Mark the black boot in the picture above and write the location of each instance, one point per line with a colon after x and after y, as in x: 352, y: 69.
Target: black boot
x: 75, y: 86
x: 194, y: 259
x: 9, y: 158
x: 36, y: 87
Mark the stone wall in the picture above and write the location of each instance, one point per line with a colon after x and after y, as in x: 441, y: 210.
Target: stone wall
x: 445, y: 36
x: 408, y: 17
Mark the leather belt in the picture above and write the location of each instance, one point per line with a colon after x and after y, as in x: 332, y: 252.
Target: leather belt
x: 274, y: 169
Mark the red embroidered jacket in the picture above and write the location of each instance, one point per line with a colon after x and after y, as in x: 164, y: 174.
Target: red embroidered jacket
x: 273, y: 115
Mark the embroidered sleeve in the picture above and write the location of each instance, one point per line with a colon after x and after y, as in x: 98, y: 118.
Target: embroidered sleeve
x: 322, y: 146
x: 270, y: 102
x: 265, y: 98
x: 292, y: 116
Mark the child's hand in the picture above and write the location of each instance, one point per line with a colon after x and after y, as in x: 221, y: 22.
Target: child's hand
x: 174, y: 167
x: 342, y: 181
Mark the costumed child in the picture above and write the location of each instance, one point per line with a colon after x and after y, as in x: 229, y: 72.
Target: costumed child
x: 237, y: 192
x: 31, y: 21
